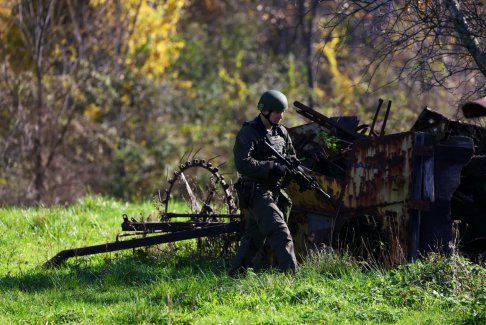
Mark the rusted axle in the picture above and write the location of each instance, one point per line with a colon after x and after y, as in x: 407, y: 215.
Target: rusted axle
x: 207, y: 231
x: 202, y: 216
x: 150, y: 227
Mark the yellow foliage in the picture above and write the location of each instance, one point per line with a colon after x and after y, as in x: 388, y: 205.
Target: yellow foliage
x: 152, y: 46
x: 125, y: 99
x: 11, y: 37
x: 92, y: 112
x: 223, y: 74
x: 236, y: 85
x: 342, y: 85
x: 153, y: 35
x: 6, y: 8
x: 185, y: 84
x: 424, y: 5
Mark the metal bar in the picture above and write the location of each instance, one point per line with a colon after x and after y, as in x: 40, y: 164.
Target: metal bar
x: 382, y: 132
x: 324, y: 120
x: 145, y: 241
x: 201, y: 216
x: 416, y: 195
x: 372, y: 127
x: 167, y: 226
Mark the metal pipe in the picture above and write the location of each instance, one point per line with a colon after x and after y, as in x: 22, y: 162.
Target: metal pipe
x: 382, y: 132
x: 145, y: 241
x: 372, y: 128
x: 323, y: 120
x: 167, y: 226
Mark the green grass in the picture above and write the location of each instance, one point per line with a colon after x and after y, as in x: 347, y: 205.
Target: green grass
x: 159, y: 286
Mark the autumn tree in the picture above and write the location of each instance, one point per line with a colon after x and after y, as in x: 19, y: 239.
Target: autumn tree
x: 108, y: 95
x: 78, y: 93
x: 437, y: 43
x: 39, y: 85
x: 140, y: 45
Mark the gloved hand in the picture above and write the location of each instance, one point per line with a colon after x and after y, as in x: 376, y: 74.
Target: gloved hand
x: 295, y: 162
x: 277, y: 171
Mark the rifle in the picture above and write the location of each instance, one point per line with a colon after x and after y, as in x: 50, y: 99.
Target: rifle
x: 298, y: 173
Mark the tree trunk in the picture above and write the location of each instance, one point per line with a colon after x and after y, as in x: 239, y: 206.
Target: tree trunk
x: 308, y: 31
x: 311, y: 31
x: 469, y: 41
x: 38, y: 166
x: 42, y: 15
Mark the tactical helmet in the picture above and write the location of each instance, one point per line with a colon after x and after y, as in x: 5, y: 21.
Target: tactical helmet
x: 273, y: 100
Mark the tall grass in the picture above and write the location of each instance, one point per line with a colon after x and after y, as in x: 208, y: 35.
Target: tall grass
x: 160, y: 285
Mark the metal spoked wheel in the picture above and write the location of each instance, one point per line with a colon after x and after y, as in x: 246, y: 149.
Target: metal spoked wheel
x: 199, y: 193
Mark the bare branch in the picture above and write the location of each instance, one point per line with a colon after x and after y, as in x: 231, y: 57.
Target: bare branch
x: 467, y: 36
x: 433, y: 42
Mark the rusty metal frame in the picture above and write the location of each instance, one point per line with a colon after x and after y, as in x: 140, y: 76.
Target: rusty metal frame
x: 206, y: 230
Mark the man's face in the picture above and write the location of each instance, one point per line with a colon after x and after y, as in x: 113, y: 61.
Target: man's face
x: 276, y: 117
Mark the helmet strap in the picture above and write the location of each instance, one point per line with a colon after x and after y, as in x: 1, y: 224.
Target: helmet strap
x: 267, y: 117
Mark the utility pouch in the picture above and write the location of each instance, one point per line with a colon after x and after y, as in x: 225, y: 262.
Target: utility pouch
x: 245, y: 191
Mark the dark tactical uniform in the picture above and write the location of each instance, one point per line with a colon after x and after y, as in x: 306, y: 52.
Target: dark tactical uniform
x: 268, y: 206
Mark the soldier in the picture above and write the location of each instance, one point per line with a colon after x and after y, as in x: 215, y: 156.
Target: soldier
x: 258, y: 186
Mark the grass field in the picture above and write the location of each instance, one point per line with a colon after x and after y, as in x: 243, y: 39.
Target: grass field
x: 162, y: 286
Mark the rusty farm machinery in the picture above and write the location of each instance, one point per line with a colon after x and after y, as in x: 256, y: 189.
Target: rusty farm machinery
x: 210, y: 211
x: 392, y: 196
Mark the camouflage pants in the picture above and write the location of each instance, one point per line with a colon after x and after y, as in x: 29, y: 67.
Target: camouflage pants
x: 266, y: 224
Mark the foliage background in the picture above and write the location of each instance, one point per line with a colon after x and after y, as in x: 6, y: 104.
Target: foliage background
x: 106, y: 96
